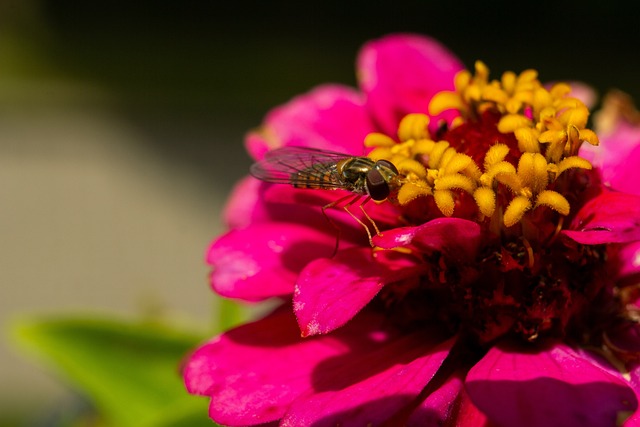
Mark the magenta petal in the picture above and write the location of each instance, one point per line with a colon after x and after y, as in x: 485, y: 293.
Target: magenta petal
x: 264, y: 260
x: 618, y: 156
x: 244, y: 205
x: 634, y: 419
x: 253, y: 201
x: 254, y: 372
x: 437, y: 409
x: 607, y: 218
x: 330, y: 117
x: 553, y: 387
x: 629, y: 258
x: 329, y: 292
x: 397, y: 375
x: 401, y: 73
x: 626, y: 175
x: 457, y: 238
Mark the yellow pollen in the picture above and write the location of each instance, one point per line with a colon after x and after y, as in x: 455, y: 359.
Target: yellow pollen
x: 516, y: 210
x: 548, y: 124
x: 445, y: 202
x: 528, y: 139
x: 412, y: 190
x: 376, y: 139
x: 414, y: 126
x: 495, y: 155
x: 410, y: 166
x: 554, y: 200
x: 445, y: 101
x: 486, y: 200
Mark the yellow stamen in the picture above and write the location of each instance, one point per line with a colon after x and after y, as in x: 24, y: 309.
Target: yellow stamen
x: 577, y: 116
x: 444, y: 201
x: 410, y: 166
x: 462, y: 80
x: 486, y: 200
x: 413, y: 126
x: 381, y: 153
x: 423, y: 146
x: 528, y: 140
x: 532, y: 170
x: 511, y: 122
x: 412, y: 190
x: 589, y: 136
x: 436, y: 154
x: 455, y: 182
x: 443, y: 101
x: 554, y: 200
x: 457, y: 163
x: 516, y: 210
x: 495, y: 155
x: 573, y: 162
x: 513, y: 182
x: 549, y: 126
x: 376, y: 139
x: 499, y: 168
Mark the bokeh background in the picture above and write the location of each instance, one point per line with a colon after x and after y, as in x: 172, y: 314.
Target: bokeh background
x: 121, y: 128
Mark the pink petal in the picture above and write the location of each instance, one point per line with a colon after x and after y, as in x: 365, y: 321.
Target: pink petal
x: 304, y: 206
x: 580, y: 90
x: 401, y: 73
x: 243, y: 206
x: 330, y: 117
x: 634, y: 419
x: 450, y: 405
x: 552, y: 387
x: 253, y: 201
x: 254, y: 372
x: 584, y: 93
x: 629, y: 258
x: 457, y: 238
x: 397, y: 375
x: 608, y: 218
x: 329, y: 292
x: 264, y: 260
x: 618, y: 155
x: 626, y: 175
x: 439, y: 407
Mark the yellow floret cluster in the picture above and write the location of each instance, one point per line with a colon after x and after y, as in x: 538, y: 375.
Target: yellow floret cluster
x: 548, y: 124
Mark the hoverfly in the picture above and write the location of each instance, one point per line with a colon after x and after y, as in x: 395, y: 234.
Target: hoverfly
x: 305, y: 167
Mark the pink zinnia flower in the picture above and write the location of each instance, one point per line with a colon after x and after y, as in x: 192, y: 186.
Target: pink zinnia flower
x: 502, y: 289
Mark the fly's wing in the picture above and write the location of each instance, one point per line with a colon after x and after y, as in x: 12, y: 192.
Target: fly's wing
x: 300, y: 166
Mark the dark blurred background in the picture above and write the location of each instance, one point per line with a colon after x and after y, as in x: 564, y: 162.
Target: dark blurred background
x: 121, y: 127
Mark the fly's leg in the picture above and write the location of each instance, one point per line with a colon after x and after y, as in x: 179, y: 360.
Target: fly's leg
x: 333, y: 224
x: 346, y: 208
x: 375, y: 226
x: 351, y: 202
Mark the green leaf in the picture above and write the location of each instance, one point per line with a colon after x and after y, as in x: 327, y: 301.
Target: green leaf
x: 130, y: 371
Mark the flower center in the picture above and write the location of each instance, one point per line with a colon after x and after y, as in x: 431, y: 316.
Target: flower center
x: 510, y: 162
x: 511, y: 144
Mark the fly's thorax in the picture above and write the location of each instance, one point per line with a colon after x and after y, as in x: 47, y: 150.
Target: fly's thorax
x: 354, y: 169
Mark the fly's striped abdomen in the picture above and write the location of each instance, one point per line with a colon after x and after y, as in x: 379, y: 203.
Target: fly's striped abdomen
x: 317, y: 176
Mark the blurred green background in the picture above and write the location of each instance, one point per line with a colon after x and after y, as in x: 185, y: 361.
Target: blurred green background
x: 121, y: 127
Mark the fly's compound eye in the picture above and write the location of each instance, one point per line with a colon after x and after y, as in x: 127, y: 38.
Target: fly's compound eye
x: 387, y: 164
x: 377, y: 187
